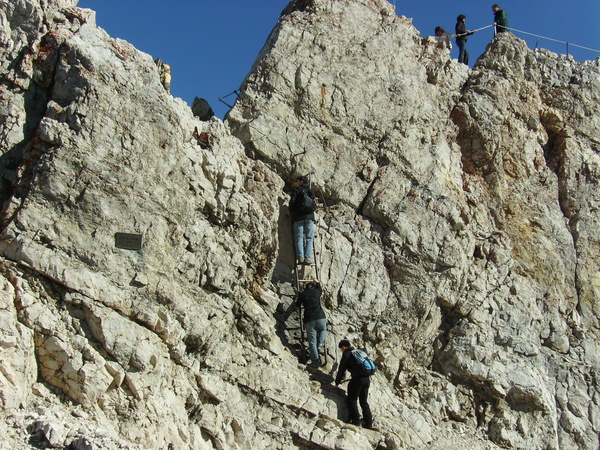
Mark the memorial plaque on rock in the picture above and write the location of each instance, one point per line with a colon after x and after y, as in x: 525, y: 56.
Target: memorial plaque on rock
x: 128, y: 241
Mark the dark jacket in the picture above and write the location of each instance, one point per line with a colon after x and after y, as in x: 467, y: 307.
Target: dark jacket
x: 461, y: 29
x: 501, y: 19
x: 293, y: 207
x: 348, y: 362
x: 310, y: 298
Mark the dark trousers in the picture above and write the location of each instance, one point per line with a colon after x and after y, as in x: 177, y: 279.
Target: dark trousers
x: 358, y: 390
x: 463, y: 54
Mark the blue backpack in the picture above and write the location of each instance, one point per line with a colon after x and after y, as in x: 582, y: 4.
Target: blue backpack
x: 365, y: 365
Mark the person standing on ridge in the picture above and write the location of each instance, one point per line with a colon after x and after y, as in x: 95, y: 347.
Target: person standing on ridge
x: 500, y: 19
x: 443, y: 38
x: 358, y: 388
x: 302, y: 209
x: 461, y: 39
x: 315, y: 320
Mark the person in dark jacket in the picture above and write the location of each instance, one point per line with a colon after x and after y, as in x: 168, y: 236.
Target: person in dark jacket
x: 315, y: 320
x: 358, y: 388
x: 461, y: 39
x: 500, y: 19
x: 303, y: 223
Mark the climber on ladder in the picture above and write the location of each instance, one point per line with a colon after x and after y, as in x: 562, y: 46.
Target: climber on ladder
x: 302, y: 209
x: 314, y: 322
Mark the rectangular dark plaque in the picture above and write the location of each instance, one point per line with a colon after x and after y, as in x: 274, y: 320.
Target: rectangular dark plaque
x: 128, y: 241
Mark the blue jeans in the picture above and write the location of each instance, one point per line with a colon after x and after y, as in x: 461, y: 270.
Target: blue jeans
x: 304, y: 232
x: 463, y: 54
x: 316, y: 332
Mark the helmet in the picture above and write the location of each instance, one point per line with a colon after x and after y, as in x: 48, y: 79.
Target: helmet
x: 166, y: 67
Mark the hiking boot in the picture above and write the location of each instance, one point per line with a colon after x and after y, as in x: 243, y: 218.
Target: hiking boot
x: 368, y: 426
x: 309, y: 262
x: 315, y: 364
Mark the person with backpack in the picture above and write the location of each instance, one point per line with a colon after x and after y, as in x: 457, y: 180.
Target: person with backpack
x: 361, y: 367
x: 315, y: 321
x: 302, y: 209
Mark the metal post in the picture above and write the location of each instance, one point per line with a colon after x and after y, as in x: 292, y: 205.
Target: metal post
x: 567, y: 48
x: 236, y: 92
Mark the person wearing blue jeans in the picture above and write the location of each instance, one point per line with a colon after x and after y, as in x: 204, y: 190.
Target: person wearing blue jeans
x: 461, y: 39
x: 304, y: 235
x: 303, y: 219
x: 315, y: 321
x: 316, y: 333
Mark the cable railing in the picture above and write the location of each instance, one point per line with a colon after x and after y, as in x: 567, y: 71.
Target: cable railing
x: 554, y: 40
x: 514, y: 30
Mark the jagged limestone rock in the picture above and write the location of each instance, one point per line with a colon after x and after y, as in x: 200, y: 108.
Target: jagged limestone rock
x: 458, y: 239
x: 476, y: 183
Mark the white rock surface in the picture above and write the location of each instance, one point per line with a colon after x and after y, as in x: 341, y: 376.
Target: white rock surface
x: 459, y: 242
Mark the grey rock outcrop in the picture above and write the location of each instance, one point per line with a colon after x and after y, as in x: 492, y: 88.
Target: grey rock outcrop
x: 459, y: 240
x: 468, y: 198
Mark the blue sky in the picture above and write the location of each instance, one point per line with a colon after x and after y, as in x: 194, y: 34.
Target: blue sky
x: 211, y: 44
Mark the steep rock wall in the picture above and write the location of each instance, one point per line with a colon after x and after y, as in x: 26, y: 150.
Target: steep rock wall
x: 475, y: 190
x: 459, y: 241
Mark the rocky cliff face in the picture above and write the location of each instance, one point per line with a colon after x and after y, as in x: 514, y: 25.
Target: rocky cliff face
x: 459, y: 241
